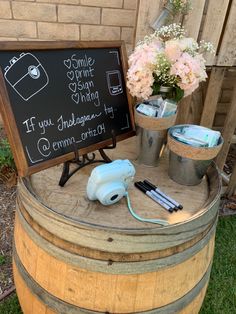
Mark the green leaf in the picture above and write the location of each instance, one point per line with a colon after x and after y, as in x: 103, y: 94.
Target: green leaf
x: 2, y: 260
x: 6, y: 157
x: 155, y: 88
x: 179, y: 94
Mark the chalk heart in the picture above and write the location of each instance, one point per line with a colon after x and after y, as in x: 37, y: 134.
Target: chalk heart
x: 75, y: 98
x: 67, y: 63
x: 72, y: 87
x: 70, y: 75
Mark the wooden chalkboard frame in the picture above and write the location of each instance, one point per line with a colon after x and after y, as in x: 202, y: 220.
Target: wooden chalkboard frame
x: 7, y: 113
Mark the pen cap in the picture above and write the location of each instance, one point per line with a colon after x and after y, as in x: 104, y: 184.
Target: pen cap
x: 149, y: 184
x: 141, y: 187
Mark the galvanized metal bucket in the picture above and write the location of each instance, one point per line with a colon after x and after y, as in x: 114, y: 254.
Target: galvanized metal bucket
x: 151, y: 137
x: 187, y: 171
x: 188, y: 164
x: 150, y: 145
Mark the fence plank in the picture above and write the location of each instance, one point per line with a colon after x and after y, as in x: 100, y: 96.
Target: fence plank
x: 196, y: 106
x: 222, y: 108
x: 212, y: 96
x: 231, y: 190
x: 228, y: 131
x: 184, y: 110
x: 192, y: 21
x: 227, y: 53
x: 213, y: 25
x: 148, y: 11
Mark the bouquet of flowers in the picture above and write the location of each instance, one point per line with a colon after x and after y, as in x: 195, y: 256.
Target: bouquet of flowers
x: 171, y: 8
x: 167, y: 58
x: 178, y: 6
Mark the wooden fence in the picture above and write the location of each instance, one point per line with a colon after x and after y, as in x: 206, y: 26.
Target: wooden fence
x: 213, y: 21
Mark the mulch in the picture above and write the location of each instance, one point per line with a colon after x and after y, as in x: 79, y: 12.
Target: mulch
x: 7, y: 212
x: 228, y: 204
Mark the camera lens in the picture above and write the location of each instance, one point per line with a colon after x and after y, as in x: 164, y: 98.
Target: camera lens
x: 114, y: 197
x: 110, y: 192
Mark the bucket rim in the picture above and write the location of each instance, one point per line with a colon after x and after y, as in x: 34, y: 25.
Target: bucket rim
x: 192, y: 152
x: 153, y: 123
x: 220, y: 142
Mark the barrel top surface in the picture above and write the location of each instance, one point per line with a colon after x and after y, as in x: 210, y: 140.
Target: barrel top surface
x: 71, y: 202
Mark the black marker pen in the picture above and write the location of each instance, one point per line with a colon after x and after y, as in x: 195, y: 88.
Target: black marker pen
x: 163, y: 194
x: 142, y: 188
x: 162, y: 198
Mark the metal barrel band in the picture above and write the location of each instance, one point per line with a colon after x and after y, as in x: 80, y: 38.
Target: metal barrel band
x: 104, y: 255
x: 209, y: 210
x: 115, y: 267
x: 63, y: 307
x: 156, y: 239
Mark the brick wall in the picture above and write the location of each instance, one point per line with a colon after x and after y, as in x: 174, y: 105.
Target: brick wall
x: 68, y: 20
x: 83, y: 20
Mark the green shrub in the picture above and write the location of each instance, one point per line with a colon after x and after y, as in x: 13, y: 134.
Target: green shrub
x: 6, y: 157
x: 2, y: 260
x: 10, y: 306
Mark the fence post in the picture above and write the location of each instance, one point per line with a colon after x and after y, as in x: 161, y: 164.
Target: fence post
x: 212, y: 96
x: 184, y: 110
x: 231, y: 189
x: 228, y: 131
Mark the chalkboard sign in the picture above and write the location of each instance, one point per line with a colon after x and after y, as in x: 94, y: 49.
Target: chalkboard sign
x: 56, y: 96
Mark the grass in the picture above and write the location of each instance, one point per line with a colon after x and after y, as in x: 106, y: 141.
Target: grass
x: 221, y: 292
x: 10, y: 306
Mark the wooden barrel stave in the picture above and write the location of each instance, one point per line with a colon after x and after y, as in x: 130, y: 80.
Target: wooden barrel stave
x: 112, y: 264
x: 66, y: 261
x: 43, y: 267
x: 104, y: 255
x: 34, y: 299
x: 35, y: 302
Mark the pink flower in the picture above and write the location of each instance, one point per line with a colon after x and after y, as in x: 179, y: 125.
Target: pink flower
x: 141, y: 65
x: 190, y: 71
x: 144, y: 55
x: 166, y: 62
x: 172, y: 50
x: 140, y: 83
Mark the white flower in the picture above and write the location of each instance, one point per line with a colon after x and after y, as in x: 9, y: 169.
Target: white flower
x: 188, y: 43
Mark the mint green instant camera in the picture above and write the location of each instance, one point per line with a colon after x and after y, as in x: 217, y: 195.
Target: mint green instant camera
x: 108, y: 183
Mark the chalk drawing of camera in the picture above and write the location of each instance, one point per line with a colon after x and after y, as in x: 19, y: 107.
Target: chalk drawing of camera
x: 26, y: 75
x: 114, y: 82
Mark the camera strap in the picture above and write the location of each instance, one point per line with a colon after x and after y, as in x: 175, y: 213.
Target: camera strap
x: 136, y: 216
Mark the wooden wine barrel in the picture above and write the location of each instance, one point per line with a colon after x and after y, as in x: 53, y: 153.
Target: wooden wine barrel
x: 76, y: 256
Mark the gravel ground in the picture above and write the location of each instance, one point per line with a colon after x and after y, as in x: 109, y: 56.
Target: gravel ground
x: 7, y: 210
